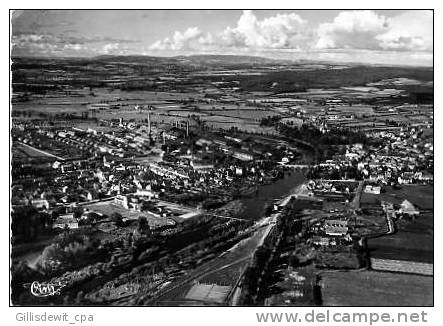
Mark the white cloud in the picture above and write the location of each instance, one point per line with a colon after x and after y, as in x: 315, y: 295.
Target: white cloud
x: 361, y: 29
x: 189, y: 39
x: 352, y: 29
x: 275, y: 32
x: 110, y: 47
x: 281, y: 31
x: 411, y: 31
x: 74, y: 47
x: 369, y: 36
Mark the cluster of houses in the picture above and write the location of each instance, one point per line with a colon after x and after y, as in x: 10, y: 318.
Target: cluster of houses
x: 405, y: 159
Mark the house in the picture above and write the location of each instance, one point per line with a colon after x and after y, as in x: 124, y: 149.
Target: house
x: 336, y: 227
x: 369, y: 189
x: 406, y: 207
x: 91, y: 217
x: 321, y: 241
x: 203, y: 142
x: 40, y: 203
x: 66, y: 221
x: 234, y: 139
x: 146, y: 193
x: 201, y: 166
x: 121, y: 200
x: 243, y: 156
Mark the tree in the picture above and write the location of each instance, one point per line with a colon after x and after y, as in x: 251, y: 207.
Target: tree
x: 143, y: 226
x: 77, y: 213
x: 293, y: 261
x: 79, y: 298
x: 117, y: 218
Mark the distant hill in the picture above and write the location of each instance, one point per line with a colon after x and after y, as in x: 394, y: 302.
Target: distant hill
x: 132, y: 58
x: 205, y: 60
x: 229, y: 59
x: 200, y: 59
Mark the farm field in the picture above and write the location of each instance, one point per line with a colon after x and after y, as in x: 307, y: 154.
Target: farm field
x: 420, y: 195
x: 58, y: 103
x: 166, y: 109
x: 21, y: 151
x: 413, y: 241
x: 369, y: 288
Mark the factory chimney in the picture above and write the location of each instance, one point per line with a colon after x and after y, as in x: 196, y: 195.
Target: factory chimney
x: 149, y: 124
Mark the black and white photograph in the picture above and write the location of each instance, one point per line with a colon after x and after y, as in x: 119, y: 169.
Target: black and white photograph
x: 221, y: 158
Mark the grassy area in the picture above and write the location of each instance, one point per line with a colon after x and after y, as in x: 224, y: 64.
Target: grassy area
x: 368, y: 288
x: 420, y: 195
x: 414, y: 241
x: 22, y: 151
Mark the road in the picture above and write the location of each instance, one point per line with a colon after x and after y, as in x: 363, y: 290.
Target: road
x: 357, y: 198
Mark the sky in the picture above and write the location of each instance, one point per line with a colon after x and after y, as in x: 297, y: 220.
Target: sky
x: 397, y: 37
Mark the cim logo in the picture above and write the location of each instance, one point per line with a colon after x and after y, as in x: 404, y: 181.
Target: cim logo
x: 46, y: 289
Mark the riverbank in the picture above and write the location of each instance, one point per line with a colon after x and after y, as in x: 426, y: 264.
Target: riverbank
x: 269, y: 223
x: 267, y: 193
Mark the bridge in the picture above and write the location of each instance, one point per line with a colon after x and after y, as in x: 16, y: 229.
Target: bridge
x: 227, y: 217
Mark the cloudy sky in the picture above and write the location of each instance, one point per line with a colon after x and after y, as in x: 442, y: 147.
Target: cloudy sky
x: 371, y: 36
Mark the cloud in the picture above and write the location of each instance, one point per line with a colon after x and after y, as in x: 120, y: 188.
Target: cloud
x: 352, y: 29
x: 50, y: 44
x: 110, y: 47
x: 65, y: 39
x: 409, y: 31
x: 351, y: 35
x: 190, y: 39
x: 282, y: 31
x: 275, y: 32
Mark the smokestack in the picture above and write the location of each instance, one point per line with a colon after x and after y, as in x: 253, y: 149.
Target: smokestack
x: 149, y: 123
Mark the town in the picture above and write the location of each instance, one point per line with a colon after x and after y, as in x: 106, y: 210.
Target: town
x: 214, y: 182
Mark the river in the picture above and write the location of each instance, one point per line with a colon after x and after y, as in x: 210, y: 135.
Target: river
x: 267, y: 193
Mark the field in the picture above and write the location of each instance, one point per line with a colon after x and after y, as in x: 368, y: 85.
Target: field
x: 414, y: 241
x: 208, y: 292
x: 368, y: 288
x: 62, y: 102
x: 166, y: 108
x: 420, y: 195
x: 21, y: 151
